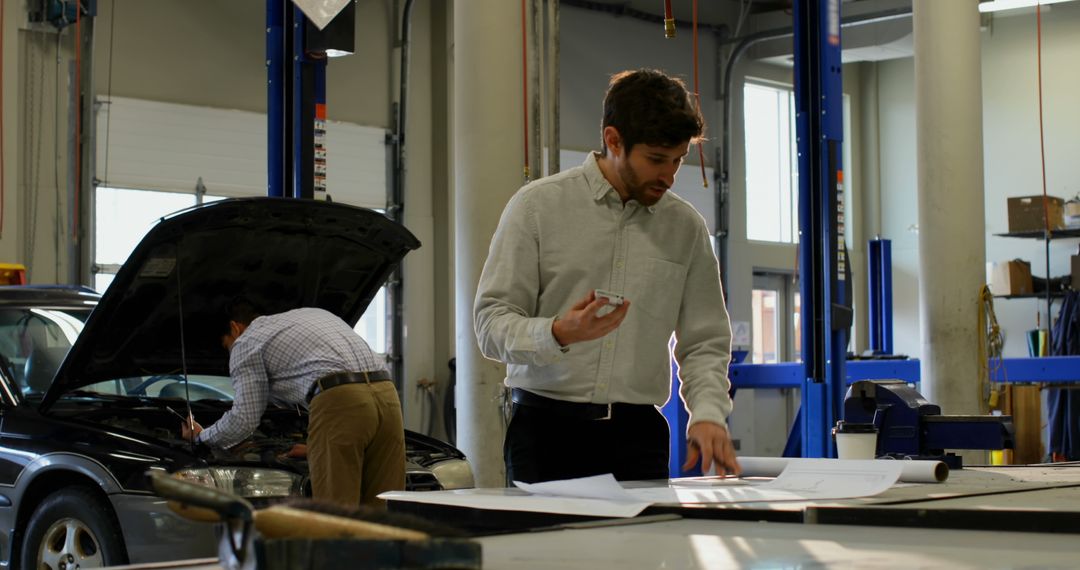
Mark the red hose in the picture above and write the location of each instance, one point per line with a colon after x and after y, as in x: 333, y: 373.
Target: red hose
x: 669, y: 20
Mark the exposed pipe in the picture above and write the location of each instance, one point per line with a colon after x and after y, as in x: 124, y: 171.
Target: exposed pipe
x: 536, y: 151
x: 669, y: 20
x: 553, y: 86
x: 724, y: 172
x: 395, y: 207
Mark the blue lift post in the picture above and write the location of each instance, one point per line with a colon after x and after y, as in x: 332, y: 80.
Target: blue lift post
x: 879, y: 283
x: 296, y: 96
x: 822, y: 257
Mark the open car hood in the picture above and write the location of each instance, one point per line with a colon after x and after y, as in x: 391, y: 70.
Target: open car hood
x: 280, y: 253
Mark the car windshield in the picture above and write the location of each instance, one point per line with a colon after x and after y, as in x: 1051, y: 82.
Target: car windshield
x: 33, y: 343
x: 35, y: 340
x: 198, y: 387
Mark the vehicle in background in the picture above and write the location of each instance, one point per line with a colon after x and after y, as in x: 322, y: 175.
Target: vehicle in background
x: 93, y: 388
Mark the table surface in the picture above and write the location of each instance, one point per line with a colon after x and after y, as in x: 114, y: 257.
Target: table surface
x: 873, y: 532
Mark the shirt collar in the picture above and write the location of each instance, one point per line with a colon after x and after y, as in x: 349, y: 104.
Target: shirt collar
x: 599, y: 184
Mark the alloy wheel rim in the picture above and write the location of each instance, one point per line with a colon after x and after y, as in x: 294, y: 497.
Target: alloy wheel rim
x: 69, y: 544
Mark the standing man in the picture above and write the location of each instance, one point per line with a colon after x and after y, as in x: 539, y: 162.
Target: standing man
x: 585, y: 377
x: 310, y: 357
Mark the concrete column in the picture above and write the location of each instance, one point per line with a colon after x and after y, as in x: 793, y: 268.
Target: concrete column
x: 952, y: 233
x: 488, y: 166
x: 11, y: 236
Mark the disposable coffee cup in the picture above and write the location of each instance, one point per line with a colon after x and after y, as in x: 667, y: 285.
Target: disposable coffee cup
x: 855, y: 441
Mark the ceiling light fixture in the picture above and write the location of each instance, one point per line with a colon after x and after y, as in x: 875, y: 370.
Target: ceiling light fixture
x: 998, y: 5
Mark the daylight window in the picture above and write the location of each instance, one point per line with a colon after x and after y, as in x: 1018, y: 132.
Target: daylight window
x: 123, y: 216
x: 771, y: 164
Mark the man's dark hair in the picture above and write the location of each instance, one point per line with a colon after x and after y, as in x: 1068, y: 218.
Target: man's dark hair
x: 647, y: 106
x: 241, y: 310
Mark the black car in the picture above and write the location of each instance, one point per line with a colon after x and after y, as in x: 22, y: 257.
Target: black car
x: 93, y: 388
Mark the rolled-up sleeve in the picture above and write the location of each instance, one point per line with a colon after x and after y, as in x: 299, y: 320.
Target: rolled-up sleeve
x: 506, y: 325
x: 703, y: 339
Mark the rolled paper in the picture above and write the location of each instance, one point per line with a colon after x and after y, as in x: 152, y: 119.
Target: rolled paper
x: 912, y: 470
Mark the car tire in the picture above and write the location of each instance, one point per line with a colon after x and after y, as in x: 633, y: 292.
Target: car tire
x: 74, y: 526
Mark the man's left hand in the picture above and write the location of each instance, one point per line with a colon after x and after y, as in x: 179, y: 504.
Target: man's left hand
x: 710, y: 442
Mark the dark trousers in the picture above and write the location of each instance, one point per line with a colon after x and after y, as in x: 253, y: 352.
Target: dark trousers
x: 542, y: 445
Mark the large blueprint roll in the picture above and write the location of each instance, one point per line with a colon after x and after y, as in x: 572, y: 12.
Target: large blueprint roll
x: 912, y: 471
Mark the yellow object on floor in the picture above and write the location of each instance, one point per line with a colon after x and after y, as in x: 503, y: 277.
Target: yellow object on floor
x: 12, y: 274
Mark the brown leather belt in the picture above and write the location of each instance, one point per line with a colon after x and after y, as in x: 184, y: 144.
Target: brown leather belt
x: 339, y: 378
x: 577, y: 410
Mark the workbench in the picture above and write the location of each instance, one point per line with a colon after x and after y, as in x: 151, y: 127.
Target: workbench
x: 1032, y: 511
x: 1040, y: 498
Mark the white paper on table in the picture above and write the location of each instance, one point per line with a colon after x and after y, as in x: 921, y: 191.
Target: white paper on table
x: 807, y: 480
x: 596, y: 487
x: 516, y: 500
x: 603, y: 496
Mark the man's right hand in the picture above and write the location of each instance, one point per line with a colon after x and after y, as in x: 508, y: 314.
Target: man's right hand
x: 190, y: 429
x: 582, y: 323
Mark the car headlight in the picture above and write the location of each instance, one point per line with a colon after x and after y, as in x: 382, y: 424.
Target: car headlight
x: 454, y: 474
x: 247, y: 482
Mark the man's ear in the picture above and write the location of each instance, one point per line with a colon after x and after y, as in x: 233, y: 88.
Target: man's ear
x: 612, y: 139
x: 235, y: 328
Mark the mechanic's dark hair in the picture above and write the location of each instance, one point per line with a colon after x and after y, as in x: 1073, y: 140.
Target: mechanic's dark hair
x: 241, y: 310
x: 647, y: 106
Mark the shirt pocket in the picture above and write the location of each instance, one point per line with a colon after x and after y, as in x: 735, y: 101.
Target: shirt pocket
x: 657, y: 290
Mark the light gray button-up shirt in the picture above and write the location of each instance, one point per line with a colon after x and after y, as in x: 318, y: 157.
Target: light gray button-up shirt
x: 565, y: 235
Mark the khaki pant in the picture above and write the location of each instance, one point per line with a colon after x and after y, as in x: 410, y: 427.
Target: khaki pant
x: 356, y: 444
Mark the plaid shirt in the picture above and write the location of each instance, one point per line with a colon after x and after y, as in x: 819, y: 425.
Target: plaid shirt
x: 278, y: 358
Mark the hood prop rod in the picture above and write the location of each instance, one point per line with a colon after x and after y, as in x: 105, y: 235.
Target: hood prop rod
x: 183, y: 347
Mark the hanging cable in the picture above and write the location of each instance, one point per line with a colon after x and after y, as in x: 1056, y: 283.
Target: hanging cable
x: 697, y: 95
x: 991, y: 349
x: 78, y: 120
x: 1042, y: 158
x: 525, y: 88
x: 108, y: 88
x: 2, y: 197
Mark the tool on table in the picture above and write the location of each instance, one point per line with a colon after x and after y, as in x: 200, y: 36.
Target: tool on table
x: 281, y: 536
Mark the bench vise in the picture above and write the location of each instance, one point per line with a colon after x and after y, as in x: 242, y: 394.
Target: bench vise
x: 910, y: 427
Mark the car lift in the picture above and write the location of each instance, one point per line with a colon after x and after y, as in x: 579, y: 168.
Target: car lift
x: 296, y: 58
x: 825, y: 375
x: 296, y: 54
x: 826, y: 318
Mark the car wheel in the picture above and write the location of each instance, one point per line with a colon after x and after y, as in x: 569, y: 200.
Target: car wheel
x: 72, y: 529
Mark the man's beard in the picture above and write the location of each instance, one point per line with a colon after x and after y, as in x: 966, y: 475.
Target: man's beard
x: 637, y: 190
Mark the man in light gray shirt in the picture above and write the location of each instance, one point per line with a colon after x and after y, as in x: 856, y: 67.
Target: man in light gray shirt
x: 586, y: 374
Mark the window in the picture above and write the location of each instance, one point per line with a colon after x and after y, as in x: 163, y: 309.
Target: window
x: 33, y: 343
x: 123, y: 216
x: 775, y: 318
x: 771, y: 164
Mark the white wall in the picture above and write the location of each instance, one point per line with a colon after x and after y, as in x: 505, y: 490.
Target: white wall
x: 1012, y: 161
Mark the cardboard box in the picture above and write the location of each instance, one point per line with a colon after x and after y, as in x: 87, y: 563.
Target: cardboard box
x: 1011, y: 278
x: 1072, y: 213
x: 1026, y: 213
x: 1076, y: 272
